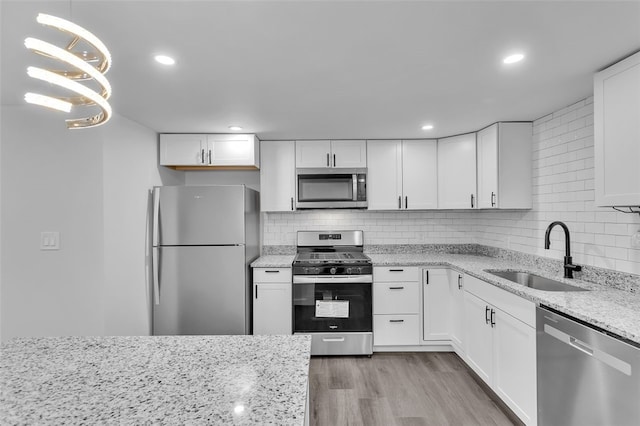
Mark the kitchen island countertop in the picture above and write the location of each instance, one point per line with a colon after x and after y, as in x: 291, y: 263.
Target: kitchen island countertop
x: 155, y: 380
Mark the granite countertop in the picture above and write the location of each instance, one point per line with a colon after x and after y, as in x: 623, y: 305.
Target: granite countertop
x: 612, y: 309
x: 239, y: 380
x: 274, y: 261
x: 609, y: 308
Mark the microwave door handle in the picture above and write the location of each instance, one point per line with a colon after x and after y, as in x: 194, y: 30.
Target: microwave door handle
x: 354, y: 179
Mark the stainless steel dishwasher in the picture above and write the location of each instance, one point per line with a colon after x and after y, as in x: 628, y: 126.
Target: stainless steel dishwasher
x: 586, y: 376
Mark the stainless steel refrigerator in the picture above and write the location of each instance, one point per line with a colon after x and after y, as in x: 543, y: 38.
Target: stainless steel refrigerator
x: 204, y: 238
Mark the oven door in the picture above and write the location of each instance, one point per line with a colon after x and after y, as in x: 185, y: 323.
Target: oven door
x: 332, y: 304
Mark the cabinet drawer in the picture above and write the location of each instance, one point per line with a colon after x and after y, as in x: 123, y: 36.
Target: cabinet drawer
x: 396, y: 298
x: 272, y: 275
x: 396, y: 273
x: 396, y: 330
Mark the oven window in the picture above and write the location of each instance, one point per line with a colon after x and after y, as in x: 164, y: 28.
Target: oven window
x: 325, y: 188
x: 332, y: 307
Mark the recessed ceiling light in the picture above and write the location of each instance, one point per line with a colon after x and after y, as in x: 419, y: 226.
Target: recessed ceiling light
x: 235, y: 128
x: 512, y: 59
x: 427, y: 127
x: 165, y: 60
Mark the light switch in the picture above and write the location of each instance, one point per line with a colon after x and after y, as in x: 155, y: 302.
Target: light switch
x: 50, y: 240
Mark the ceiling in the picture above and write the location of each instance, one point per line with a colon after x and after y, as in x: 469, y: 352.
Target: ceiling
x: 335, y: 69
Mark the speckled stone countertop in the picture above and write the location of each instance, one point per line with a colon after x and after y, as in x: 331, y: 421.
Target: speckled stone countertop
x: 243, y: 380
x: 274, y: 261
x: 604, y: 306
x: 609, y: 308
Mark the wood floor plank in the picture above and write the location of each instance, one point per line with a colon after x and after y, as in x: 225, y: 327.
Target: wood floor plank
x: 403, y: 389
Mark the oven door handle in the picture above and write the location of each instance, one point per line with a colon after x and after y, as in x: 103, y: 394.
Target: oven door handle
x: 321, y: 279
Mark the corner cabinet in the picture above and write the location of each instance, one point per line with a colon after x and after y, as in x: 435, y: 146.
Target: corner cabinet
x: 505, y: 166
x: 457, y: 172
x: 272, y: 303
x: 402, y: 175
x: 209, y: 151
x: 277, y: 176
x: 331, y: 153
x: 616, y: 102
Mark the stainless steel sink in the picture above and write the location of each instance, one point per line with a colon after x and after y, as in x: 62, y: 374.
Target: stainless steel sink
x: 535, y: 281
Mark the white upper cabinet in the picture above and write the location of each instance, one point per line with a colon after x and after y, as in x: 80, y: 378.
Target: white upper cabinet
x: 184, y: 150
x: 504, y: 166
x: 384, y: 174
x: 336, y: 153
x: 616, y: 103
x: 457, y: 172
x: 420, y: 174
x: 232, y: 151
x: 277, y: 176
x: 402, y: 175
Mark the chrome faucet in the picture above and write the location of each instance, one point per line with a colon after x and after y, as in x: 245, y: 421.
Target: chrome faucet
x: 568, y: 266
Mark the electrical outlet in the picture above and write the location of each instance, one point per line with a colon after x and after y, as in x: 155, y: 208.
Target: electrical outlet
x: 50, y: 240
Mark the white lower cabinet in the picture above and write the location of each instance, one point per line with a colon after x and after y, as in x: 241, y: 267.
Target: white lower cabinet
x: 396, y: 306
x: 456, y: 310
x: 272, y: 301
x: 436, y: 316
x: 501, y: 348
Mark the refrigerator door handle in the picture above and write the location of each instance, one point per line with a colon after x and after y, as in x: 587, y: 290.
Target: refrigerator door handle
x: 156, y: 216
x: 156, y: 275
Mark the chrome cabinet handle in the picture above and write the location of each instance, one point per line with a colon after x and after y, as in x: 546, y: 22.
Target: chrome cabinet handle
x: 459, y: 282
x: 493, y: 199
x: 493, y: 315
x: 486, y: 315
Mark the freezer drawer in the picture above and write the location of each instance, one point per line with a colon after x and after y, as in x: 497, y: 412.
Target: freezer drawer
x: 201, y: 290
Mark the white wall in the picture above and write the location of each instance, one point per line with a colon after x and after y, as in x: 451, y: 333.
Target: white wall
x: 562, y: 190
x: 92, y: 186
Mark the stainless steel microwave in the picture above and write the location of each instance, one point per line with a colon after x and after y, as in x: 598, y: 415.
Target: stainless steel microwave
x: 331, y: 188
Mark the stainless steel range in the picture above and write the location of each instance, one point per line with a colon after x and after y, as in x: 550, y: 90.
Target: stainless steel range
x: 332, y: 281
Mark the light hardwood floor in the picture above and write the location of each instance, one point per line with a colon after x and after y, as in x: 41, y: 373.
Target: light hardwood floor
x: 428, y: 388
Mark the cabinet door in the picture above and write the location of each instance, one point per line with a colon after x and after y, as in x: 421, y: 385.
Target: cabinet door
x: 616, y: 134
x: 456, y: 317
x: 277, y: 176
x: 272, y: 308
x: 478, y: 336
x: 349, y: 153
x: 488, y: 167
x: 457, y: 172
x: 514, y: 355
x: 313, y: 153
x: 435, y: 307
x: 183, y: 150
x: 420, y: 174
x: 232, y: 150
x: 384, y: 174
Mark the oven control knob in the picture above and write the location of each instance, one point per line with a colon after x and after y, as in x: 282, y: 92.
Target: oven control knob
x: 332, y: 271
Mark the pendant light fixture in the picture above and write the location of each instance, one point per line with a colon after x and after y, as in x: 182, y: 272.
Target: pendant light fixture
x: 83, y: 65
